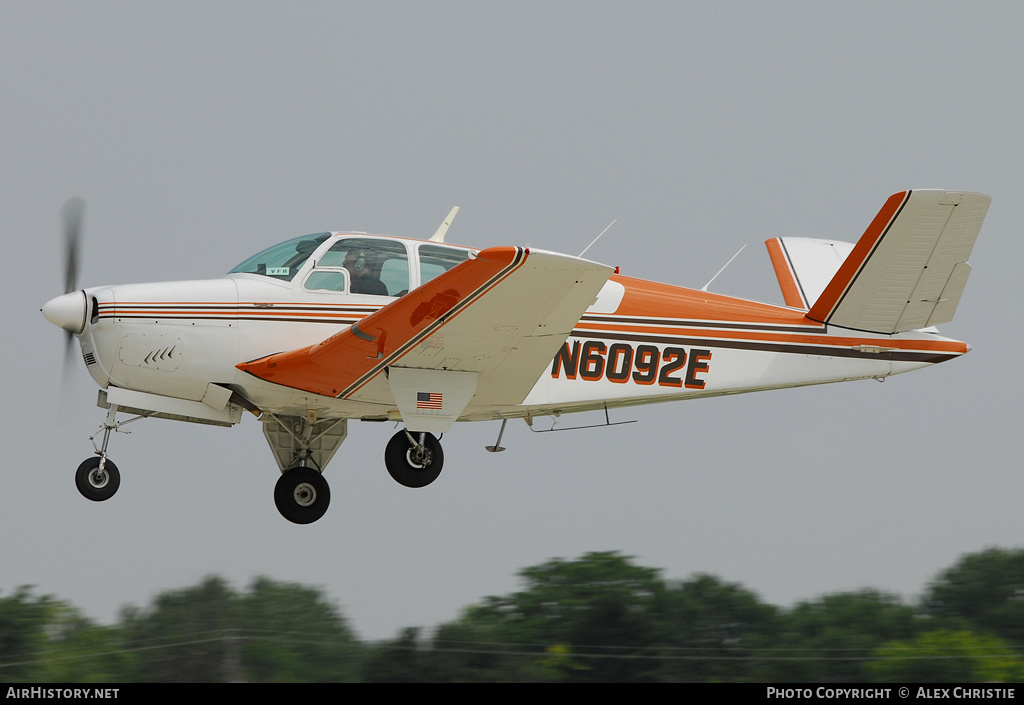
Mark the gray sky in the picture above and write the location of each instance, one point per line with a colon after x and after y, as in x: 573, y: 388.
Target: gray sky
x: 199, y: 133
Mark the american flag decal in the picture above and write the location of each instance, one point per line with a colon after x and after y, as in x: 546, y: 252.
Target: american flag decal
x: 428, y: 400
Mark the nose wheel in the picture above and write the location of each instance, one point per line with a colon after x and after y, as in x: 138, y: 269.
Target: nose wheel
x: 414, y: 459
x: 302, y: 495
x: 97, y: 478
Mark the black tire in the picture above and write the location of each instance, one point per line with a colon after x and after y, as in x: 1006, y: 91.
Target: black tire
x: 411, y: 471
x: 95, y: 485
x: 302, y: 495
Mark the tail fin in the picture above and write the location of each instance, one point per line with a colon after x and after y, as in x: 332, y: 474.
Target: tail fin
x: 909, y: 268
x: 804, y: 266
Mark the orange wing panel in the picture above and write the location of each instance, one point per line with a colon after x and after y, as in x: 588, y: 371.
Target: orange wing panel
x: 341, y: 364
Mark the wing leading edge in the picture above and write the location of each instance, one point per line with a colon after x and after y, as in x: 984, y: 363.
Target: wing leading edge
x: 500, y: 316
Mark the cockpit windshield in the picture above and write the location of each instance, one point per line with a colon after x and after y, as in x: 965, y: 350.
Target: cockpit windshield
x: 283, y: 260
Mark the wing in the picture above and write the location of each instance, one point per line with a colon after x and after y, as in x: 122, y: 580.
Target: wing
x: 909, y: 268
x: 499, y: 317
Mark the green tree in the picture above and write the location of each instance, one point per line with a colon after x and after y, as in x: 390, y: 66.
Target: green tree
x: 181, y: 638
x: 986, y: 589
x: 23, y: 619
x: 293, y: 633
x: 79, y: 651
x: 475, y: 651
x: 210, y: 633
x: 399, y: 661
x: 603, y: 618
x: 597, y: 615
x: 828, y: 639
x: 46, y: 640
x: 711, y: 630
x: 945, y: 656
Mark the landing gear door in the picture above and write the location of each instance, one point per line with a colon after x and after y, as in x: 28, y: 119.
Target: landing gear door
x: 431, y: 400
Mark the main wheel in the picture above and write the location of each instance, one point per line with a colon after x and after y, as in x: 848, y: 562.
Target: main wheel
x: 414, y: 465
x: 95, y: 484
x: 302, y: 495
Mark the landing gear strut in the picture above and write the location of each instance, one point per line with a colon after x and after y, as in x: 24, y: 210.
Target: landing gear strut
x: 414, y: 459
x: 302, y: 446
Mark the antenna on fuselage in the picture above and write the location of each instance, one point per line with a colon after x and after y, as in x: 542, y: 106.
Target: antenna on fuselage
x: 597, y: 238
x: 705, y: 287
x: 441, y: 231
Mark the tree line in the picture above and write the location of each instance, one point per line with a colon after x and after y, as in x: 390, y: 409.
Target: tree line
x: 599, y: 618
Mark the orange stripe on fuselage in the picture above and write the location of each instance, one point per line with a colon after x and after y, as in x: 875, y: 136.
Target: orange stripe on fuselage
x: 269, y: 313
x: 709, y: 335
x: 650, y: 299
x: 704, y: 315
x: 246, y: 310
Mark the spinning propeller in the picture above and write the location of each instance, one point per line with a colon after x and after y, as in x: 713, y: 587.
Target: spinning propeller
x: 72, y: 212
x: 68, y: 311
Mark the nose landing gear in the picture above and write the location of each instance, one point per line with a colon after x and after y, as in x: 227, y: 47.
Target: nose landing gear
x: 98, y: 478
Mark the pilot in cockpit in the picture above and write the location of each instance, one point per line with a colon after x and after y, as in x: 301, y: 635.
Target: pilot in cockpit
x: 360, y: 267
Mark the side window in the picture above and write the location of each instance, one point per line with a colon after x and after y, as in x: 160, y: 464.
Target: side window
x: 327, y: 280
x: 394, y: 273
x: 371, y: 266
x: 437, y: 259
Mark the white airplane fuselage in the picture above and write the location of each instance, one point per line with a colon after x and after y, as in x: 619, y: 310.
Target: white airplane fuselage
x: 325, y: 328
x: 174, y: 339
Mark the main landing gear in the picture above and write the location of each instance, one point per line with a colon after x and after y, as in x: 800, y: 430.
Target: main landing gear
x: 302, y: 446
x: 302, y: 495
x: 414, y: 459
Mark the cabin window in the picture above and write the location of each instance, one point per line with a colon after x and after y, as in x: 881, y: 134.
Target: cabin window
x: 437, y: 259
x: 374, y: 266
x: 327, y: 280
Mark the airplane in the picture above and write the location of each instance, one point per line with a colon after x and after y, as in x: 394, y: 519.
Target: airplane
x: 324, y: 328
